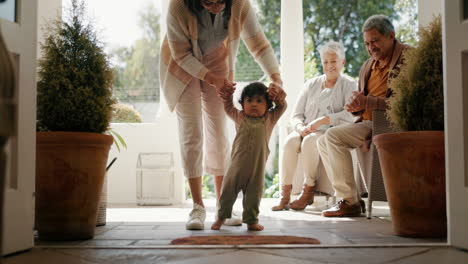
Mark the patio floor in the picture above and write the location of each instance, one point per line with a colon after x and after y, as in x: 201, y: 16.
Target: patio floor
x: 135, y: 226
x: 135, y: 235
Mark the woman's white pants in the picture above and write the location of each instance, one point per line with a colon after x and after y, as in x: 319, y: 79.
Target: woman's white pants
x: 202, y: 126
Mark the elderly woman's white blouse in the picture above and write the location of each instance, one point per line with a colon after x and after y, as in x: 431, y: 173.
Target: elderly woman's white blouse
x: 307, y: 105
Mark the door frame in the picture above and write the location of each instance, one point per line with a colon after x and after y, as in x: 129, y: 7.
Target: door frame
x: 455, y: 56
x: 454, y: 99
x: 18, y: 209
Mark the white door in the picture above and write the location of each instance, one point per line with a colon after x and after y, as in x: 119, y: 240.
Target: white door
x: 19, y: 25
x: 455, y: 49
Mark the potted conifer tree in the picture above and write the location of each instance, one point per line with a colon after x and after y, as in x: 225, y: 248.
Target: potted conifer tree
x: 74, y: 109
x: 413, y: 162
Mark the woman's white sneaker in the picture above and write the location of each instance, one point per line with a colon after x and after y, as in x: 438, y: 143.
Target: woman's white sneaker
x: 196, y: 218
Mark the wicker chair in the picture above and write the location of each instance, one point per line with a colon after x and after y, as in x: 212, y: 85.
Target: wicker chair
x: 369, y: 164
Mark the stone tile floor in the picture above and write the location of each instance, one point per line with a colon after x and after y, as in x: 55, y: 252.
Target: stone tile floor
x: 143, y: 234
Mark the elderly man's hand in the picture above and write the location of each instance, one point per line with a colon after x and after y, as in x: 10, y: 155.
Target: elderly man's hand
x: 357, y: 102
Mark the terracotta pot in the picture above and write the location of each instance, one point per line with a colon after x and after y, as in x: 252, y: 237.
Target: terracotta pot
x: 70, y: 170
x: 413, y: 169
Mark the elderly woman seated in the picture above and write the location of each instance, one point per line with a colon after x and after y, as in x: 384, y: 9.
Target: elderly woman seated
x: 320, y: 105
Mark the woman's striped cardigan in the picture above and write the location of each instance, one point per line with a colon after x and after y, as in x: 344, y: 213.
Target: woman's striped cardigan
x: 181, y: 55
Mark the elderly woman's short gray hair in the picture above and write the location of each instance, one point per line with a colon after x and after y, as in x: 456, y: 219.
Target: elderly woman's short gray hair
x: 379, y: 22
x: 332, y: 46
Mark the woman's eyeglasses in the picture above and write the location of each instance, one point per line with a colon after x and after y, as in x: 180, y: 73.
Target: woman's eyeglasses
x: 208, y: 3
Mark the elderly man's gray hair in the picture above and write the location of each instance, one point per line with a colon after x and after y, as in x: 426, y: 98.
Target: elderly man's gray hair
x: 332, y: 46
x: 379, y: 22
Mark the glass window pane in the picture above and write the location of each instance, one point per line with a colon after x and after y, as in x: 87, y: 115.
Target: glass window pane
x: 268, y: 14
x: 8, y: 10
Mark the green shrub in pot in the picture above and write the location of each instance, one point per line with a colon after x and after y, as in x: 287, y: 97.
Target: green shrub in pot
x: 74, y: 109
x: 418, y: 97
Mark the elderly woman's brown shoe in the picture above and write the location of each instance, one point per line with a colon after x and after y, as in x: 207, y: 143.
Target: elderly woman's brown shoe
x: 285, y: 198
x: 306, y: 198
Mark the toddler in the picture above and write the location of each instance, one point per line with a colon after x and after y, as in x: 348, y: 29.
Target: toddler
x: 254, y: 125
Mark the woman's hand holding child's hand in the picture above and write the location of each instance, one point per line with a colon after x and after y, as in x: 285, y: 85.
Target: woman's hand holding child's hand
x: 276, y: 93
x: 227, y: 89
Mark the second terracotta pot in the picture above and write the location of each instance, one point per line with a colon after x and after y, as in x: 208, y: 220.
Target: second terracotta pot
x: 413, y: 169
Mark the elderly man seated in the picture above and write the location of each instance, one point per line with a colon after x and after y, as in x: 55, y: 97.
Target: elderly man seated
x: 386, y: 57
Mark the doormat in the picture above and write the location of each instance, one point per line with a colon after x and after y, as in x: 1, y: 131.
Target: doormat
x: 243, y: 240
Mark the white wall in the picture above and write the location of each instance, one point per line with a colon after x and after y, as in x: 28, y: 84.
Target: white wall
x: 160, y: 136
x: 427, y: 9
x: 47, y: 11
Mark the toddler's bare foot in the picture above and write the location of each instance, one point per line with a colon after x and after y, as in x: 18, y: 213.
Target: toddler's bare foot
x: 217, y: 224
x: 254, y: 227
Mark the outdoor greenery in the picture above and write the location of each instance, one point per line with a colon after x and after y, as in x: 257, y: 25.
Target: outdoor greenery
x: 407, y: 23
x: 137, y: 67
x: 272, y: 186
x: 137, y: 70
x: 208, y: 189
x: 326, y: 20
x: 418, y: 97
x: 123, y: 113
x: 75, y: 79
x: 119, y: 142
x: 341, y: 21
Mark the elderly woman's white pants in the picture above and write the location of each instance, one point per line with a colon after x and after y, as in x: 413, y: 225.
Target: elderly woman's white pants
x: 202, y: 125
x: 295, y: 148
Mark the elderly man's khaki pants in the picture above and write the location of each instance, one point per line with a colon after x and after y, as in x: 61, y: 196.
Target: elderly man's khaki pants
x: 334, y: 148
x: 202, y: 125
x: 296, y: 148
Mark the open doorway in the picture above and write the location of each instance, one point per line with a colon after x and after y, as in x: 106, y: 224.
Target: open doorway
x: 134, y: 65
